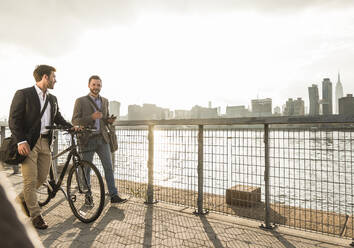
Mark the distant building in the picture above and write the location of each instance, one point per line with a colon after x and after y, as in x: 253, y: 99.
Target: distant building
x: 148, y: 112
x: 182, y: 114
x: 114, y: 108
x: 299, y: 106
x: 198, y: 112
x: 262, y: 107
x: 277, y: 111
x: 152, y: 112
x: 289, y: 107
x: 294, y: 107
x: 346, y: 105
x: 135, y: 112
x: 338, y: 94
x: 314, y: 100
x: 236, y: 111
x: 327, y: 107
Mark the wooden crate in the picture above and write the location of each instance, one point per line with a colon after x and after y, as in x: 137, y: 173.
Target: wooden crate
x: 243, y: 195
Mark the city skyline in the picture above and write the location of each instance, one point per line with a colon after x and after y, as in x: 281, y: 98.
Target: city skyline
x: 329, y: 103
x: 178, y: 54
x: 115, y: 106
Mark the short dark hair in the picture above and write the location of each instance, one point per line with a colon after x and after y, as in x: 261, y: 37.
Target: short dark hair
x: 94, y: 77
x: 42, y: 70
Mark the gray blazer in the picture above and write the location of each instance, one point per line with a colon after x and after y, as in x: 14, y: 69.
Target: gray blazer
x: 83, y: 110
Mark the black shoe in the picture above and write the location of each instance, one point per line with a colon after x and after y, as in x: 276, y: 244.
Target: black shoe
x: 88, y: 200
x: 16, y: 169
x: 117, y: 199
x: 39, y: 223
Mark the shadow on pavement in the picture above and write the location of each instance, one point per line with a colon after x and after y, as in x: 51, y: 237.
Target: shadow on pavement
x: 92, y: 230
x: 210, y: 232
x: 283, y: 240
x: 148, y: 225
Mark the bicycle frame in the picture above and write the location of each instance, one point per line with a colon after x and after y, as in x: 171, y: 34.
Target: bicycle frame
x: 54, y: 183
x: 81, y: 198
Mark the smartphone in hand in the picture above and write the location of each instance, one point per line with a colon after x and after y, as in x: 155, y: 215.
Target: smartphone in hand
x: 111, y: 119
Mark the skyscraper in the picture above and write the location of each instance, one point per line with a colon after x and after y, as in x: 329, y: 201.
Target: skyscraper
x: 314, y: 100
x: 262, y: 107
x: 294, y: 107
x: 338, y: 94
x: 346, y: 105
x: 327, y: 106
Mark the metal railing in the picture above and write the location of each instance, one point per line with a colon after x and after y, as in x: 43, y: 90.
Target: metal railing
x: 291, y: 171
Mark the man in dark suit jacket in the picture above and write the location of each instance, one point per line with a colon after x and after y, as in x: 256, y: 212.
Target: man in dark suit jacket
x: 33, y: 139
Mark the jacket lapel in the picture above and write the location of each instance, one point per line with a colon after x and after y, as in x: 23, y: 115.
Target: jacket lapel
x: 104, y: 108
x: 91, y: 104
x: 37, y: 104
x: 53, y: 108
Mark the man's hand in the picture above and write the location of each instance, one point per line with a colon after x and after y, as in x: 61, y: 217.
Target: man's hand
x: 96, y: 115
x: 77, y: 128
x: 111, y: 119
x: 23, y: 149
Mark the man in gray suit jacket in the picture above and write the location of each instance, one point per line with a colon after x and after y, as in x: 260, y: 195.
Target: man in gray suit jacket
x: 92, y: 110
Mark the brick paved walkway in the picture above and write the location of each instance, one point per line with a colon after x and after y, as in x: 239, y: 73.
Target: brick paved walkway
x: 134, y: 224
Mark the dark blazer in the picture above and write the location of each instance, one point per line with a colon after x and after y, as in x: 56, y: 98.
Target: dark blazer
x: 24, y: 113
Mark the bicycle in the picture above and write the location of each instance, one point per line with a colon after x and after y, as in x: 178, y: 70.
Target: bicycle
x: 85, y: 202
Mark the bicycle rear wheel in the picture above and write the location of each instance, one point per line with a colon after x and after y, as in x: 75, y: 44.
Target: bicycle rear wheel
x: 43, y: 193
x: 85, y: 194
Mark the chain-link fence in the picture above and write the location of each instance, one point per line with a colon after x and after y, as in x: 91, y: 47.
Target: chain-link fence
x: 298, y: 175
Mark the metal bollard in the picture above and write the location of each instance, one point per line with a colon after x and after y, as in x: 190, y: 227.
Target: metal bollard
x: 200, y: 210
x: 266, y: 179
x: 150, y: 164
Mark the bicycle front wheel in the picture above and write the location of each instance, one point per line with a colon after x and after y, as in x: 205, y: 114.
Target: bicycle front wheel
x: 85, y: 190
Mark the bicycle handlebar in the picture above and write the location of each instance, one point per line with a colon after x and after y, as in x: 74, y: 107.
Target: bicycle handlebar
x: 71, y: 129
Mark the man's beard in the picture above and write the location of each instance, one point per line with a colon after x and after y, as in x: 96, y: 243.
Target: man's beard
x: 51, y: 85
x: 95, y: 91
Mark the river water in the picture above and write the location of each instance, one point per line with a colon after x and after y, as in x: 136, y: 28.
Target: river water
x: 309, y: 168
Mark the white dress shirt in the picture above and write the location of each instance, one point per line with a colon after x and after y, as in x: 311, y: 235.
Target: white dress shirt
x: 45, y: 120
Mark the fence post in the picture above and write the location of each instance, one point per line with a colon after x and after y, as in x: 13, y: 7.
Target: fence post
x: 200, y: 210
x: 150, y: 187
x: 266, y: 178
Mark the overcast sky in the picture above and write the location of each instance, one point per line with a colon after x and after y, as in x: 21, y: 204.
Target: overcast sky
x: 179, y: 53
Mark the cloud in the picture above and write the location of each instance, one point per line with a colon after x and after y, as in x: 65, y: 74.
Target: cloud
x: 207, y: 6
x: 53, y: 27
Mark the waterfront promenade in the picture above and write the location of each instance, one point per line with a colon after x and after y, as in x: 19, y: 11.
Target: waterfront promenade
x: 135, y: 224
